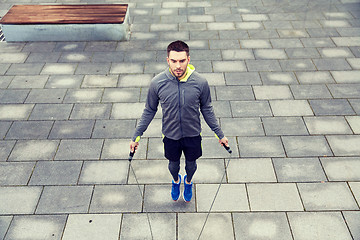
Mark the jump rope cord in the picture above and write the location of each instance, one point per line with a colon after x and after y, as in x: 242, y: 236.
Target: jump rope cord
x: 212, y: 204
x: 137, y: 182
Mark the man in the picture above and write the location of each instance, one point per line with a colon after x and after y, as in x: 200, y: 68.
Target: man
x: 182, y: 92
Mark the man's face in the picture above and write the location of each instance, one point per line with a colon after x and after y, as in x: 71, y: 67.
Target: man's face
x: 178, y: 62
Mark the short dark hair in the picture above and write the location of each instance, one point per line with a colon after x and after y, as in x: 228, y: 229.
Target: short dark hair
x: 178, y: 46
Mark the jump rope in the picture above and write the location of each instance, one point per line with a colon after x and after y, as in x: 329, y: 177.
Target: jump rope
x: 131, y: 155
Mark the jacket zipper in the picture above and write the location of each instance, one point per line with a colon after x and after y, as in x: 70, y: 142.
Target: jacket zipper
x: 179, y: 92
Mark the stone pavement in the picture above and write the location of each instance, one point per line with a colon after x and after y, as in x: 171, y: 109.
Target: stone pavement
x: 285, y: 82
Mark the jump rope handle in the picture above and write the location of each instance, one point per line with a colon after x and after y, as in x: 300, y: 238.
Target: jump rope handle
x: 131, y: 155
x: 227, y: 148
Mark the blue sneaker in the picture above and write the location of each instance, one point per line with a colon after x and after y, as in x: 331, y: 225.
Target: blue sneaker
x: 175, y: 189
x: 187, y: 191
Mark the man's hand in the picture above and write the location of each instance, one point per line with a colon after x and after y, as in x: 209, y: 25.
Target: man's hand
x: 133, y: 146
x: 224, y: 141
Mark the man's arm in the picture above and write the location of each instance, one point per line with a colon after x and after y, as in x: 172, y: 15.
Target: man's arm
x: 209, y: 115
x: 152, y: 102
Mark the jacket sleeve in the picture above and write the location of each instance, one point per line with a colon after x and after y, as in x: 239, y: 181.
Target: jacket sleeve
x: 152, y: 102
x: 208, y: 111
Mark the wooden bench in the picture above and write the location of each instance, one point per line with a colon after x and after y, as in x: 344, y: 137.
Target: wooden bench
x: 93, y: 22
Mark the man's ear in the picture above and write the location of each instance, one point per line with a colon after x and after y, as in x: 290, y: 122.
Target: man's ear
x: 189, y: 58
x: 168, y: 61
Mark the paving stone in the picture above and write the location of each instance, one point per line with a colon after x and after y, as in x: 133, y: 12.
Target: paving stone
x: 355, y: 188
x: 270, y: 54
x: 116, y: 198
x: 69, y: 46
x: 260, y: 147
x: 91, y: 111
x: 75, y: 57
x: 354, y: 62
x: 242, y: 78
x: 5, y: 149
x: 327, y: 125
x: 335, y: 53
x: 83, y: 149
x: 290, y: 108
x: 352, y: 219
x: 39, y: 47
x: 43, y: 57
x: 99, y: 81
x: 214, y: 79
x: 56, y: 173
x: 83, y: 96
x: 355, y: 104
x: 327, y: 196
x: 250, y: 108
x: 331, y: 107
x: 254, y: 226
x: 107, y: 57
x: 231, y: 197
x: 13, y: 96
x: 69, y: 199
x: 5, y: 80
x: 29, y: 130
x: 314, y: 77
x: 144, y: 170
x: 317, y: 42
x: 286, y: 43
x: 155, y: 148
x: 354, y: 122
x: 104, y: 172
x: 121, y: 95
x: 242, y: 126
x: 237, y: 54
x: 36, y: 227
x: 278, y: 78
x: 13, y: 57
x: 332, y: 64
x: 345, y: 90
x: 46, y: 96
x: 341, y: 168
x: 206, y: 168
x: 297, y: 65
x: 119, y: 149
x: 302, y: 53
x: 233, y: 34
x: 229, y: 66
x: 15, y: 173
x: 34, y: 150
x: 113, y: 129
x: 251, y: 170
x: 19, y: 200
x: 318, y: 225
x: 234, y: 93
x: 218, y: 226
x: 127, y: 68
x: 344, y: 145
x: 263, y: 65
x: 64, y: 81
x: 298, y: 170
x: 346, y: 76
x: 306, y: 146
x: 163, y: 226
x: 212, y: 148
x: 274, y: 197
x: 310, y: 91
x: 284, y: 126
x: 127, y: 110
x: 4, y: 225
x: 4, y: 67
x: 157, y: 199
x: 59, y: 68
x: 28, y: 82
x: 51, y: 112
x: 72, y: 129
x: 272, y: 92
x: 100, y: 46
x: 257, y: 43
x: 92, y: 226
x: 25, y: 69
x: 346, y: 41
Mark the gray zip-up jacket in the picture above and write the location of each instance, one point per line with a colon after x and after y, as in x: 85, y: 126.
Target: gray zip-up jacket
x: 180, y: 102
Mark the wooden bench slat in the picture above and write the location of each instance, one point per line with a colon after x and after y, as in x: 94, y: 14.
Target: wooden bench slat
x: 65, y: 14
